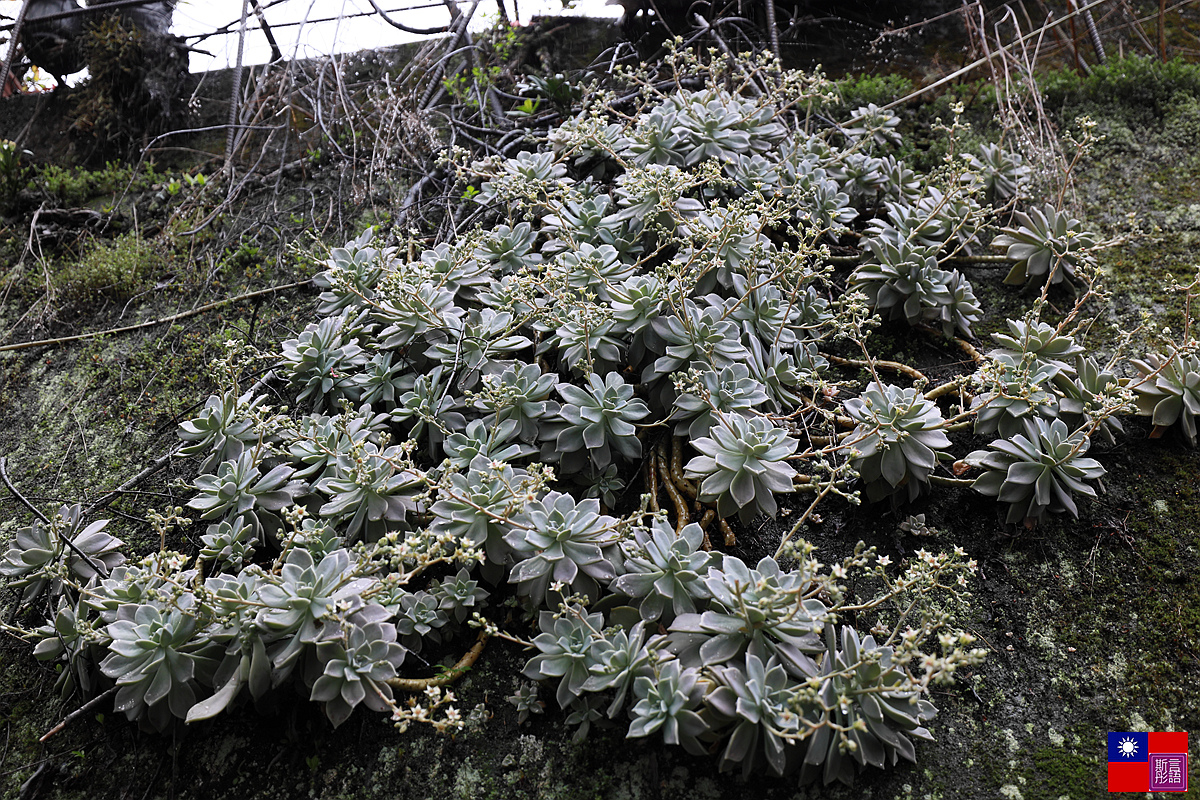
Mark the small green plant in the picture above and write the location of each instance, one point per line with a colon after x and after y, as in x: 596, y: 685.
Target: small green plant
x: 14, y: 170
x: 118, y: 269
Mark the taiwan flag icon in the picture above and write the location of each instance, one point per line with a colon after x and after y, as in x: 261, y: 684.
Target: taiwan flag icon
x: 1144, y: 762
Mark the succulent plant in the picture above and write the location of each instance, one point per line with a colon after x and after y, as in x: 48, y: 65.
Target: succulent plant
x: 476, y: 345
x: 40, y: 558
x: 665, y: 570
x: 1018, y: 392
x: 696, y: 335
x: 525, y: 177
x: 453, y: 270
x: 620, y: 656
x: 510, y: 248
x: 730, y: 239
x: 867, y: 716
x: 824, y: 207
x: 475, y: 508
x: 1003, y: 172
x: 238, y: 488
x: 742, y: 465
x: 753, y: 173
x: 520, y: 394
x: 711, y: 129
x: 593, y: 269
x: 70, y: 641
x: 730, y: 391
x: 368, y: 489
x: 607, y: 486
x: 782, y: 374
x: 777, y: 318
x: 357, y: 664
x: 862, y: 178
x: 229, y: 544
x: 656, y: 139
x: 1040, y: 341
x: 1047, y: 243
x: 896, y: 442
x: 915, y: 525
x: 677, y: 249
x: 757, y: 701
x: 525, y: 700
x: 653, y: 195
x: 458, y: 595
x: 492, y: 442
x: 295, y: 605
x: 879, y: 125
x: 153, y: 659
x: 317, y: 440
x: 900, y: 184
x: 351, y: 274
x: 408, y: 313
x: 947, y: 217
x: 419, y: 617
x: 588, y: 342
x: 759, y: 611
x: 903, y: 281
x: 591, y: 221
x: 323, y: 362
x: 635, y: 305
x: 566, y: 646
x: 1169, y: 392
x: 596, y: 420
x: 1037, y: 471
x: 431, y: 408
x: 667, y: 703
x: 221, y: 430
x: 382, y: 379
x: 559, y: 541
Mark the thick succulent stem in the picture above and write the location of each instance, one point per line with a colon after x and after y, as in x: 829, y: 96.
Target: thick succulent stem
x: 894, y: 366
x: 449, y: 676
x: 683, y: 517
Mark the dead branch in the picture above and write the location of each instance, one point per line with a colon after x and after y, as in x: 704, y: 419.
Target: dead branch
x: 173, y: 318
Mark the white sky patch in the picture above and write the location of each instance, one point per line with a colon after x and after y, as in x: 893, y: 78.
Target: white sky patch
x: 314, y: 28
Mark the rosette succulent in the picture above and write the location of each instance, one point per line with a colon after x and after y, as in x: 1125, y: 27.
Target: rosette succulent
x: 40, y: 558
x: 559, y: 541
x: 896, y: 442
x: 665, y: 570
x: 153, y: 659
x: 1047, y: 243
x: 323, y: 361
x: 1169, y: 392
x: 1037, y: 471
x: 760, y: 611
x: 357, y: 664
x: 596, y: 420
x: 222, y: 429
x: 238, y: 488
x: 743, y: 463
